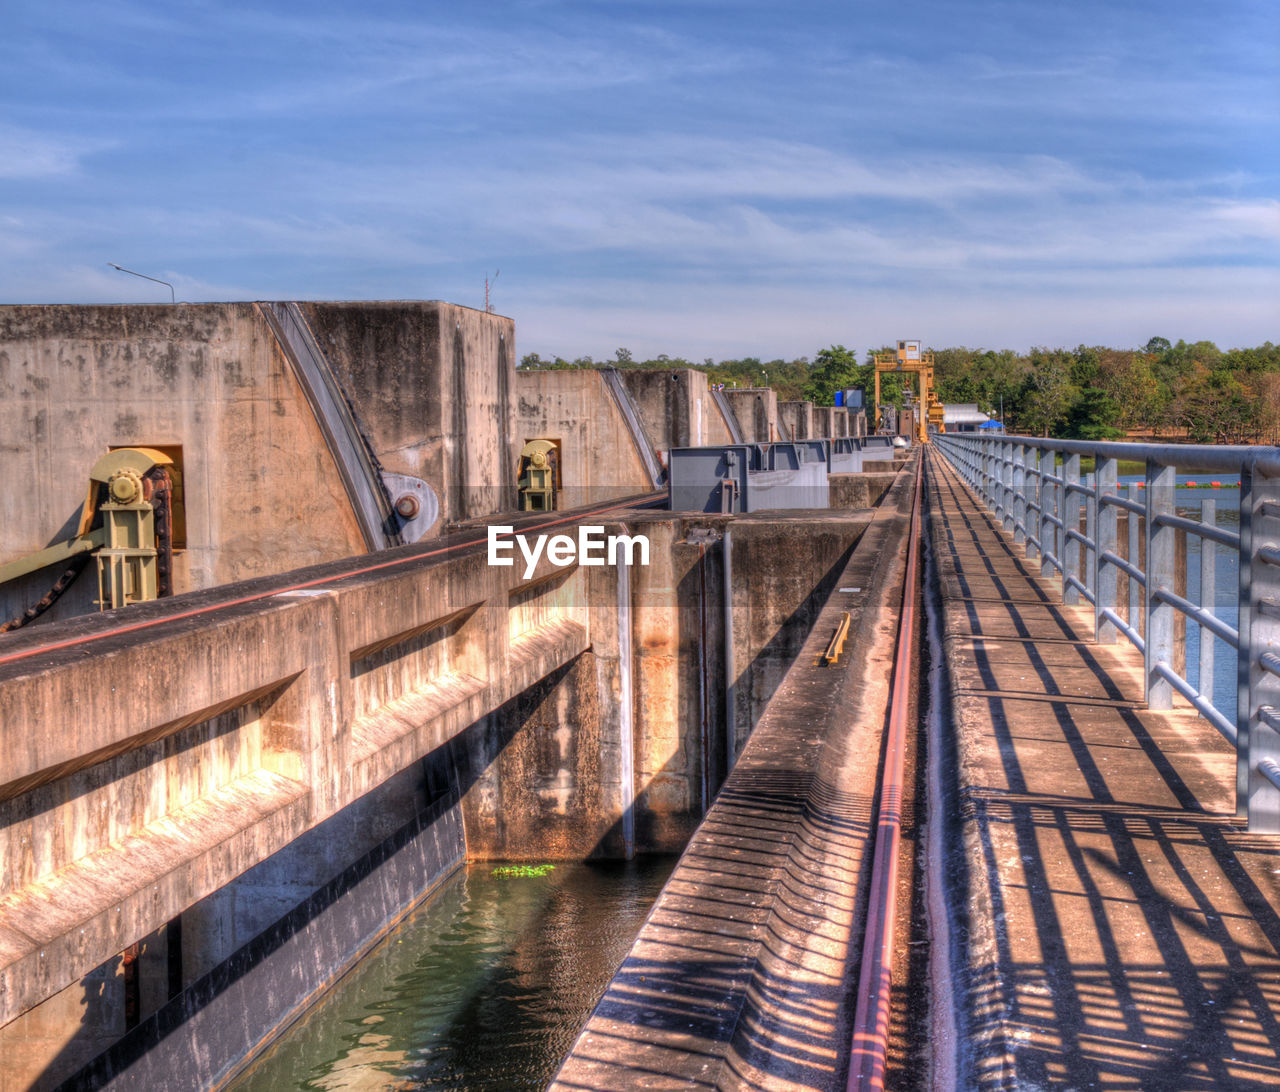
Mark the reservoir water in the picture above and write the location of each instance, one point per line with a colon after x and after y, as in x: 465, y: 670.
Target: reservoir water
x: 485, y: 985
x: 1189, y: 498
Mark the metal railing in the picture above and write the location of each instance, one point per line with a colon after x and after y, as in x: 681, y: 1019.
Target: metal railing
x: 1072, y: 525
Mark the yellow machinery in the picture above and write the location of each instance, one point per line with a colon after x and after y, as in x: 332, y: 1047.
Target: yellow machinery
x: 909, y: 358
x: 126, y: 523
x: 539, y: 475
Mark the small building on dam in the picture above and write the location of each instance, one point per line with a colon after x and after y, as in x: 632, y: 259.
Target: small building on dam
x: 266, y: 680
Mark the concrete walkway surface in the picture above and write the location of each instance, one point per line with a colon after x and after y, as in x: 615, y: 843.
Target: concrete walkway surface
x: 743, y: 975
x: 1113, y: 926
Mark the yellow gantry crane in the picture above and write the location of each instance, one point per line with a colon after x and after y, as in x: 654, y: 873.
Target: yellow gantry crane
x: 909, y: 358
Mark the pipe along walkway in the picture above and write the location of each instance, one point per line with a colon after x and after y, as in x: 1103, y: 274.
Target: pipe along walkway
x: 1076, y: 904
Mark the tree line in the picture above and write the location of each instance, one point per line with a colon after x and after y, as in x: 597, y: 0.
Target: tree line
x: 1196, y: 391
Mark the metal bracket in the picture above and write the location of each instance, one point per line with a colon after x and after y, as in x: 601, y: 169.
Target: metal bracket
x: 414, y: 505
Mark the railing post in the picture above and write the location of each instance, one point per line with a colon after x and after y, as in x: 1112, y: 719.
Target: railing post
x: 1048, y: 508
x: 1208, y: 593
x: 1261, y: 738
x: 1244, y: 658
x: 1035, y: 503
x: 1246, y: 666
x: 1136, y: 619
x: 1019, y: 471
x: 997, y: 476
x: 1006, y: 476
x: 1161, y: 483
x: 995, y: 482
x: 1070, y: 515
x: 1091, y: 536
x: 1105, y: 481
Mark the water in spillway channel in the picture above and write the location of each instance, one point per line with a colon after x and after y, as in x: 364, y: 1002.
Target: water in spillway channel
x: 484, y: 986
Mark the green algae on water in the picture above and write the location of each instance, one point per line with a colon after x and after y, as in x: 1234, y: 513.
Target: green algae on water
x: 523, y: 870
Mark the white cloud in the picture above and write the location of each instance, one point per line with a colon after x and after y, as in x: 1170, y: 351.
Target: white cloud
x: 790, y: 206
x: 1232, y: 307
x: 26, y: 154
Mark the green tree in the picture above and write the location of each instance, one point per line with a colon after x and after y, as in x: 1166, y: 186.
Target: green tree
x: 1085, y: 365
x: 1046, y: 392
x: 1215, y: 407
x: 834, y: 369
x: 1130, y: 381
x: 1093, y: 416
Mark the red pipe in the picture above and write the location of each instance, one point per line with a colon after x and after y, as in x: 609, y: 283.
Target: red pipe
x: 871, y: 1016
x: 578, y: 514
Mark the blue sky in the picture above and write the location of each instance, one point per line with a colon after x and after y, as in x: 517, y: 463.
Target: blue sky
x: 701, y: 178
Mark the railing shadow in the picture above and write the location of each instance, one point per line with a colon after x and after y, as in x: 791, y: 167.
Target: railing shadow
x: 1134, y: 940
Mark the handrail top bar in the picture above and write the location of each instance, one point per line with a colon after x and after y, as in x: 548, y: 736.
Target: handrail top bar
x: 1193, y: 457
x: 1203, y: 530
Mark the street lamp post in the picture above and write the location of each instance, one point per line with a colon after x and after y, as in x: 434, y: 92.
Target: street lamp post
x: 172, y: 297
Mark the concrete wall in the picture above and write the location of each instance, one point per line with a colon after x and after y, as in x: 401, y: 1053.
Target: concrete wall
x: 432, y: 384
x: 828, y: 421
x: 252, y: 755
x: 676, y: 407
x: 598, y: 457
x: 212, y: 776
x: 195, y: 752
x: 718, y: 428
x: 865, y: 490
x: 248, y: 955
x: 261, y: 491
x: 757, y: 411
x: 798, y: 417
x: 792, y: 565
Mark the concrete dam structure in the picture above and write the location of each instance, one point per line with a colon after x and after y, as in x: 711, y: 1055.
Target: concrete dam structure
x: 337, y: 699
x: 372, y: 605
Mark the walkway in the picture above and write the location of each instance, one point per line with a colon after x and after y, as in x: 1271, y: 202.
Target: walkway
x: 743, y: 975
x: 1115, y: 928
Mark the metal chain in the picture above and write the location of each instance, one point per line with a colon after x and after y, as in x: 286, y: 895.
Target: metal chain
x: 50, y: 597
x: 157, y: 487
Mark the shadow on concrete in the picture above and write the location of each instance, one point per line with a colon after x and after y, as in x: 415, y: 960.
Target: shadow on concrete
x: 726, y: 972
x: 741, y: 978
x: 1123, y: 930
x: 201, y: 1034
x: 205, y: 1032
